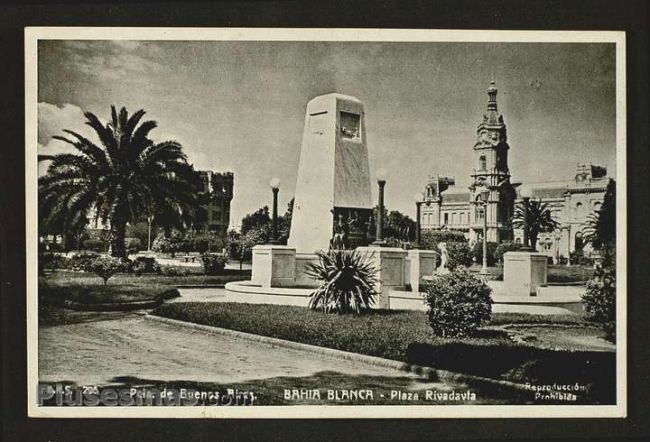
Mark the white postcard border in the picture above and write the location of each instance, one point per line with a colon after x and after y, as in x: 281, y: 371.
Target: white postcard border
x: 34, y: 34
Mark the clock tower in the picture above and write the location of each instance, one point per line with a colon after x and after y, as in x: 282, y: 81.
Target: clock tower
x: 491, y: 193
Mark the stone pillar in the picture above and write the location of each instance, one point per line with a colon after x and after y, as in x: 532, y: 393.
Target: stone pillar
x: 419, y: 263
x: 274, y: 265
x: 390, y: 264
x: 523, y: 272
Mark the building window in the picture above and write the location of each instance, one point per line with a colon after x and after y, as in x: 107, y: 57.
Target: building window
x: 482, y: 163
x: 579, y: 243
x: 579, y: 210
x: 446, y: 219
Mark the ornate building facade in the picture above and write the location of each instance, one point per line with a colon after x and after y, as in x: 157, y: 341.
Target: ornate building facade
x: 462, y: 209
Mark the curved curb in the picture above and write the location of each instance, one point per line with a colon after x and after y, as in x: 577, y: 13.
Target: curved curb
x: 431, y: 373
x: 157, y: 301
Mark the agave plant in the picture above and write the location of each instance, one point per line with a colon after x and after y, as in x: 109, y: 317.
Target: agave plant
x: 348, y: 282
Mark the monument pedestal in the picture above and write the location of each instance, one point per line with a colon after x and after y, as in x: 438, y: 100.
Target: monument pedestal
x: 419, y: 263
x: 303, y: 260
x: 523, y: 272
x: 390, y: 263
x: 274, y: 266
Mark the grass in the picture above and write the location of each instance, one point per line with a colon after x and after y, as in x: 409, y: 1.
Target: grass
x: 195, y: 278
x: 525, y: 318
x: 92, y: 290
x: 85, y: 288
x: 406, y: 336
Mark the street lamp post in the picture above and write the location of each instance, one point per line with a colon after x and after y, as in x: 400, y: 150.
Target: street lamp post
x: 525, y: 194
x: 568, y: 245
x: 482, y: 200
x: 275, y: 186
x: 149, y: 221
x: 417, y: 198
x: 381, y: 181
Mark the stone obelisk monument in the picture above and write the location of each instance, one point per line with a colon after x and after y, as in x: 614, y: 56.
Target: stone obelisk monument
x: 333, y: 185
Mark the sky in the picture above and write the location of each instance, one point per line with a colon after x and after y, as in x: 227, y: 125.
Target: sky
x: 240, y: 106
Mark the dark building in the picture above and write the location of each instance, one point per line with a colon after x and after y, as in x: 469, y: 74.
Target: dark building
x: 218, y: 191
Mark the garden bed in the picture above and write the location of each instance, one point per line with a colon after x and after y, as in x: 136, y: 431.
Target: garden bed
x: 406, y: 336
x: 69, y: 278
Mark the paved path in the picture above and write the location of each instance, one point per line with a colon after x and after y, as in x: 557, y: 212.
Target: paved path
x: 101, y: 352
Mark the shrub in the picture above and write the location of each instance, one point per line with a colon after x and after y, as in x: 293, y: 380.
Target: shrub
x: 348, y: 281
x: 210, y: 242
x: 578, y: 257
x: 170, y: 245
x: 175, y: 271
x: 459, y: 255
x: 106, y: 266
x: 459, y: 303
x: 145, y: 264
x: 53, y: 261
x: 477, y: 252
x: 429, y: 239
x: 599, y: 300
x: 504, y: 247
x: 82, y: 260
x: 96, y: 245
x: 213, y: 263
x: 133, y: 245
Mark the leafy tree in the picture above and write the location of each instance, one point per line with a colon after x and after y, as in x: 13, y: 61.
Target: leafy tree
x: 600, y: 230
x: 256, y: 227
x: 504, y: 247
x: 105, y: 267
x: 398, y: 227
x: 140, y: 230
x: 477, y: 252
x: 256, y: 220
x: 348, y: 282
x: 431, y: 238
x: 173, y: 243
x: 124, y: 178
x: 284, y: 223
x: 537, y: 216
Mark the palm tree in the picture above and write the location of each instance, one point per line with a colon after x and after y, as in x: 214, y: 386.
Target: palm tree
x: 124, y: 178
x: 536, y: 217
x: 600, y: 227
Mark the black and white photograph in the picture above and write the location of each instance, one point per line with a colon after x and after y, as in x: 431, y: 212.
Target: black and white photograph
x: 345, y: 223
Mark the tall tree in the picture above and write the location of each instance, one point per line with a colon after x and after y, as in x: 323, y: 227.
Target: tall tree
x: 124, y: 178
x: 600, y: 229
x: 256, y: 220
x: 536, y: 216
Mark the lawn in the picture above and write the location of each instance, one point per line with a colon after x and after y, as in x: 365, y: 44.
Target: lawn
x: 196, y: 277
x: 89, y: 289
x: 406, y: 336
